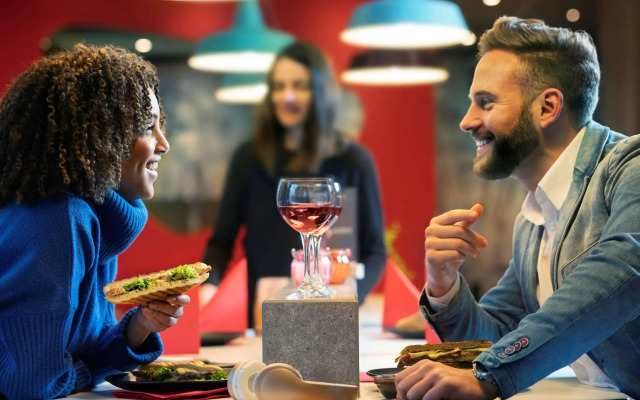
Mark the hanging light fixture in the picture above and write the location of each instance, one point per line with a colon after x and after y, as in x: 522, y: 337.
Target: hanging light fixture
x: 203, y: 1
x: 248, y: 47
x: 406, y: 24
x: 242, y: 88
x: 394, y: 68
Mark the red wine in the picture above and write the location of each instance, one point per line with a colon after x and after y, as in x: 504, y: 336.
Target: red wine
x: 336, y: 212
x: 334, y: 217
x: 306, y: 218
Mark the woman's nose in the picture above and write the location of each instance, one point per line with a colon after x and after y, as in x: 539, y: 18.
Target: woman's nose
x: 162, y: 144
x: 290, y: 94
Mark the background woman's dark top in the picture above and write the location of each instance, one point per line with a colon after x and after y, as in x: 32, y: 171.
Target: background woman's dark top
x: 250, y: 199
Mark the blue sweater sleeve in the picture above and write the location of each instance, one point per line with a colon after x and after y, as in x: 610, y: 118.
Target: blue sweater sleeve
x: 35, y: 365
x: 57, y: 333
x: 113, y: 355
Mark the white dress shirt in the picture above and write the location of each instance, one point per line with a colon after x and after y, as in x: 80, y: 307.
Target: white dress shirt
x: 542, y: 207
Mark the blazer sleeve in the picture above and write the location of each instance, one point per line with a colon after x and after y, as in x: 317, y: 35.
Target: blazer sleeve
x: 371, y: 243
x: 596, y: 299
x: 230, y: 215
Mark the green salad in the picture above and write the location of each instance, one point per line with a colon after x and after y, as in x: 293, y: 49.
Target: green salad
x: 183, y: 272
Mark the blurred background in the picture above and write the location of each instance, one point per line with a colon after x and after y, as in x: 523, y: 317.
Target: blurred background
x: 423, y: 159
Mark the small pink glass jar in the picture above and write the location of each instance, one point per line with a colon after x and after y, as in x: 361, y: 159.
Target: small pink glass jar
x: 297, y: 266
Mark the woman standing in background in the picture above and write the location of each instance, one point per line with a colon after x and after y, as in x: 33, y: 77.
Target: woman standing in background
x: 294, y: 136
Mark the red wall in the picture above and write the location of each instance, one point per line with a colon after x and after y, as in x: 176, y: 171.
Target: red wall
x: 399, y: 127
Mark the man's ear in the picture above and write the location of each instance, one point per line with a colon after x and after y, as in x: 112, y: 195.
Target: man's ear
x: 551, y: 103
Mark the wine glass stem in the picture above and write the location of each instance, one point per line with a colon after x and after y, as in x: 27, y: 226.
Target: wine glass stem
x: 315, y: 240
x: 306, y: 280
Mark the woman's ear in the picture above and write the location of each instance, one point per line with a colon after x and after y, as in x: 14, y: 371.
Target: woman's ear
x: 551, y: 103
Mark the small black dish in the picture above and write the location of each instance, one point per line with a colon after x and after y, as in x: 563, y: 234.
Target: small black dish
x: 386, y: 384
x: 382, y: 371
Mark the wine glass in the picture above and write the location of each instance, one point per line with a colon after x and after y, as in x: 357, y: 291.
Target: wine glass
x: 316, y: 238
x: 306, y: 204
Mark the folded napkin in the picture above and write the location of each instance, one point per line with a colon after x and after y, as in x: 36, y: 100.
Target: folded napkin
x: 365, y: 378
x: 400, y: 295
x: 228, y: 311
x: 199, y: 394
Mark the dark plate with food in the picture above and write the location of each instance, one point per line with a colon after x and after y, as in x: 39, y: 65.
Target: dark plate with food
x: 172, y: 376
x: 128, y: 382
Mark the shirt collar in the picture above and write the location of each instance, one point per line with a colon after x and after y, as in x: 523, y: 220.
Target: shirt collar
x: 543, y: 205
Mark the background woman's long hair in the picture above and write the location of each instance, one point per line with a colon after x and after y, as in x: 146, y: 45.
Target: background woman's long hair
x: 319, y: 137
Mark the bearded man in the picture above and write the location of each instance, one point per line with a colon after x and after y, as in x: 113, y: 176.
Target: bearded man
x: 570, y: 294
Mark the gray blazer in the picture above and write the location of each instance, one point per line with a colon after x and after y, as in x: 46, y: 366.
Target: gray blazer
x: 595, y: 307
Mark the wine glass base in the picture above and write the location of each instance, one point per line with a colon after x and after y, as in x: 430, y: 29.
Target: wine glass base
x: 320, y: 287
x: 307, y: 291
x: 302, y: 296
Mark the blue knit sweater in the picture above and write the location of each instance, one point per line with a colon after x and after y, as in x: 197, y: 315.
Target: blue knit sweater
x: 57, y: 332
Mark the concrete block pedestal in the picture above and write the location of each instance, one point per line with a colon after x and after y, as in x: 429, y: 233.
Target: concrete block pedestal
x: 318, y: 337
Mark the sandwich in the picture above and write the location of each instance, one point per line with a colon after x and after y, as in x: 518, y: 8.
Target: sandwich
x: 454, y: 354
x: 157, y: 285
x: 173, y: 371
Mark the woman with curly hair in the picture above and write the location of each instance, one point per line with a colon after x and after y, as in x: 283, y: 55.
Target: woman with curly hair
x: 80, y: 141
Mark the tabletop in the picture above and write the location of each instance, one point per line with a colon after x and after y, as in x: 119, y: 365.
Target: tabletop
x: 378, y: 349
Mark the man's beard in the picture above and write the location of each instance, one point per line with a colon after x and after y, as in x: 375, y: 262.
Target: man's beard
x: 508, y: 151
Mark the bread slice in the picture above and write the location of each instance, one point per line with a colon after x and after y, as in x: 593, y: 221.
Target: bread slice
x: 159, y: 285
x: 178, y: 371
x: 453, y: 353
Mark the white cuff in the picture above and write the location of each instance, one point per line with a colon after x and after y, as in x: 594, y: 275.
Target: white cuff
x: 440, y: 303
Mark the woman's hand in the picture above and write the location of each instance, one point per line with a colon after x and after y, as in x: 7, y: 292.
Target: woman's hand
x: 155, y: 317
x: 430, y: 380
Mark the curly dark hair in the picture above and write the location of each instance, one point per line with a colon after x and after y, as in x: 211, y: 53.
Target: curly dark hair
x: 68, y: 122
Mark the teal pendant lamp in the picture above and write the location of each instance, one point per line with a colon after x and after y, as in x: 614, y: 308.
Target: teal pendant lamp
x: 248, y: 47
x: 406, y: 24
x: 242, y: 88
x: 391, y: 67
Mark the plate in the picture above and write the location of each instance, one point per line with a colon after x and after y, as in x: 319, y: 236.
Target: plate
x: 128, y: 382
x: 407, y: 334
x: 217, y: 338
x: 380, y: 371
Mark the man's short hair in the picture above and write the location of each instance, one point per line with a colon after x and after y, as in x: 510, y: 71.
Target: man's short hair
x: 552, y: 58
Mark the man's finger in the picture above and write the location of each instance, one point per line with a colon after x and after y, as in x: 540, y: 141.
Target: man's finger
x: 455, y: 217
x: 434, y: 232
x: 478, y: 210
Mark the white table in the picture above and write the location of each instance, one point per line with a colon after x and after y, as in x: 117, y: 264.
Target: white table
x: 378, y: 350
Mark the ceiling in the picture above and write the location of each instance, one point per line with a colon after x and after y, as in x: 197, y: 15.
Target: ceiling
x: 480, y: 17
